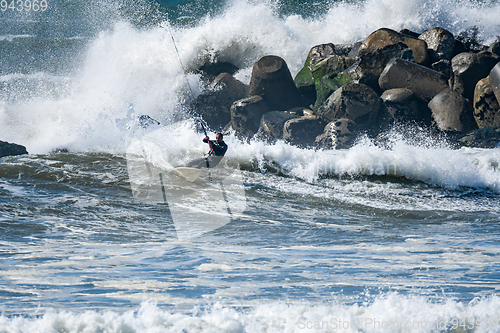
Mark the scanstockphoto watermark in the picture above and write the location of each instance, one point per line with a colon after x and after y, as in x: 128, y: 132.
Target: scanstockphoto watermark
x: 372, y: 323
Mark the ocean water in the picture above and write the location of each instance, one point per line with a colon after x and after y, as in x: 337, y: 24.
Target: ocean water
x: 403, y: 237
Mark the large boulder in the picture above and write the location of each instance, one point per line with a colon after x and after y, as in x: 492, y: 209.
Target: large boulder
x: 329, y: 75
x: 403, y: 106
x: 302, y: 132
x: 481, y: 138
x: 11, y: 149
x: 354, y: 101
x: 328, y: 84
x: 246, y: 114
x: 304, y: 80
x: 451, y: 112
x: 338, y: 134
x: 316, y: 54
x: 317, y: 64
x: 272, y: 80
x: 495, y: 80
x: 384, y: 37
x: 468, y: 69
x: 272, y: 124
x: 368, y: 69
x: 319, y: 76
x: 424, y: 82
x: 214, y: 106
x: 441, y: 42
x: 486, y: 107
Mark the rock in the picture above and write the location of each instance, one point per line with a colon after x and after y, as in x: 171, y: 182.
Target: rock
x: 210, y: 71
x: 246, y: 114
x: 344, y: 49
x: 481, y: 138
x: 232, y: 88
x: 486, y: 107
x: 328, y: 76
x: 451, y: 112
x: 300, y: 111
x: 424, y: 82
x: 304, y: 79
x: 495, y: 80
x: 384, y: 37
x: 214, y: 106
x: 328, y: 84
x: 404, y: 106
x: 468, y: 69
x: 302, y: 132
x: 272, y: 124
x: 318, y: 78
x: 272, y: 80
x: 443, y: 66
x: 441, y: 41
x: 331, y: 65
x: 338, y: 134
x: 495, y: 48
x: 354, y: 101
x: 409, y: 33
x: 459, y: 48
x: 11, y: 149
x: 368, y: 69
x: 320, y: 52
x: 353, y: 54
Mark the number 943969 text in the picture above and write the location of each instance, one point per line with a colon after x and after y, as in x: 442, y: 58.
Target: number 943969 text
x: 24, y: 5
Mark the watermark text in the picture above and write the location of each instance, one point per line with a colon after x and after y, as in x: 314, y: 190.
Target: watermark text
x: 469, y: 323
x: 23, y: 5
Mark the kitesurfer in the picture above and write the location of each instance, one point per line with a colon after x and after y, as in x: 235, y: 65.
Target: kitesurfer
x: 217, y: 147
x: 217, y: 150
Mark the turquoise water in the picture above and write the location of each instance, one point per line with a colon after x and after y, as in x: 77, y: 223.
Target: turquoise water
x: 396, y: 238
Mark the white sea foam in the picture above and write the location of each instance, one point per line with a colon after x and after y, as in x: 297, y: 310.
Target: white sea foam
x: 424, y: 160
x: 434, y: 165
x: 386, y: 313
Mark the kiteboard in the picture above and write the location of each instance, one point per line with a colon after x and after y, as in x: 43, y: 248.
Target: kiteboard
x: 189, y: 174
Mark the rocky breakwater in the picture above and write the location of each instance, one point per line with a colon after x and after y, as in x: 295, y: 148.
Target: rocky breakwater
x: 441, y: 83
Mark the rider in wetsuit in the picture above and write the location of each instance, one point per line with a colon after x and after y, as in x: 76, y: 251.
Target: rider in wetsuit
x: 217, y: 147
x: 217, y: 150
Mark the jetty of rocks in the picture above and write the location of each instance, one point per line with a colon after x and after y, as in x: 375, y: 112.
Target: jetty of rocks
x: 435, y: 81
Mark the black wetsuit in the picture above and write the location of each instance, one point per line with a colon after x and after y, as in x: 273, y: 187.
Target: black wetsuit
x: 216, y: 149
